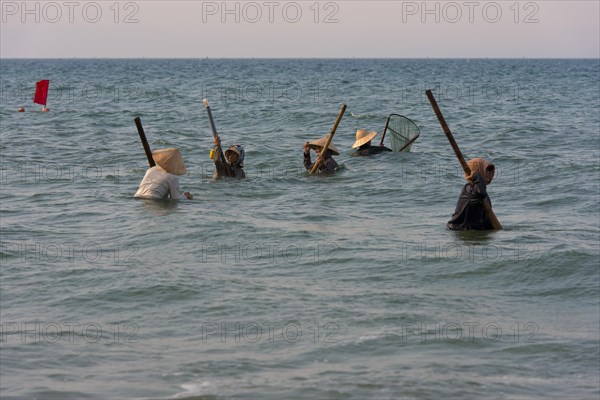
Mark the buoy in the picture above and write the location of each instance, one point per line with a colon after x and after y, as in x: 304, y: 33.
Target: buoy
x: 212, y: 154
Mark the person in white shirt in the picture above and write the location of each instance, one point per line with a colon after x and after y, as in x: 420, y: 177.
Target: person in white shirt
x: 162, y: 181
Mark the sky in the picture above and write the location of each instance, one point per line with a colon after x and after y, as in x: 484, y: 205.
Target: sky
x: 300, y: 29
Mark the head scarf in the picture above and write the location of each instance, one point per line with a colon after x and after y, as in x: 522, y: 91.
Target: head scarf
x: 484, y: 168
x: 239, y: 150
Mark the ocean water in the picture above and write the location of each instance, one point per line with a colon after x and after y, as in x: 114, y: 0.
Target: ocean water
x: 289, y: 286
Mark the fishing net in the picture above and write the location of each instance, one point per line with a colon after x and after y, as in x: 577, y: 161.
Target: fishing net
x: 403, y: 132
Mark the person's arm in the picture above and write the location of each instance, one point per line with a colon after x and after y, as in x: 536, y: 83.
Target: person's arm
x: 221, y: 167
x: 173, y: 183
x: 307, y: 161
x: 174, y: 193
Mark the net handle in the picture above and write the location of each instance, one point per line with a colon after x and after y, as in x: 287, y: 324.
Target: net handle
x: 411, y: 141
x: 140, y: 129
x: 329, y: 138
x: 385, y: 130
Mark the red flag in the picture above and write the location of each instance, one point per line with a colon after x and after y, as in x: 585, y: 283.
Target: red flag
x: 41, y: 92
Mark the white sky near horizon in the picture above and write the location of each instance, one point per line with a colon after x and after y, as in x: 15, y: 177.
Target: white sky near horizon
x: 300, y: 29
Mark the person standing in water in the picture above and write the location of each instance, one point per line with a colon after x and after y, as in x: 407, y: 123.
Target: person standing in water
x: 327, y: 165
x: 234, y: 161
x: 363, y: 144
x: 162, y: 181
x: 470, y: 213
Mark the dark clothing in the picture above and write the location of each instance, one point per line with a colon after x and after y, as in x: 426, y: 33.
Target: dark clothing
x: 327, y: 166
x: 224, y: 169
x: 368, y: 150
x: 238, y: 172
x: 469, y: 213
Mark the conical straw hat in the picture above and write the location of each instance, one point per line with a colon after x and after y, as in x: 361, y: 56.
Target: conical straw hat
x: 320, y: 143
x: 170, y: 160
x: 363, y: 137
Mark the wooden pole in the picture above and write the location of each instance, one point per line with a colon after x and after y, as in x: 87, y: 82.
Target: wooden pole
x: 227, y: 170
x: 329, y: 138
x: 440, y: 117
x: 384, y: 131
x: 486, y: 203
x: 140, y: 129
x: 210, y: 117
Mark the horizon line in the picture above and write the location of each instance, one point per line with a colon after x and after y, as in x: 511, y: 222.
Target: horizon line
x: 301, y: 58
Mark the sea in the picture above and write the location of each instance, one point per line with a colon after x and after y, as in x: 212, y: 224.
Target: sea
x: 287, y: 285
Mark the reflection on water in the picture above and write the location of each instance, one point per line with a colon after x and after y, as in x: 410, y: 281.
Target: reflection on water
x: 475, y: 237
x: 159, y: 207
